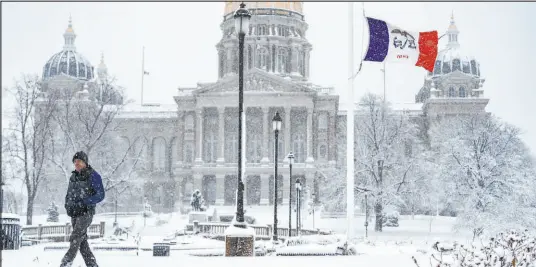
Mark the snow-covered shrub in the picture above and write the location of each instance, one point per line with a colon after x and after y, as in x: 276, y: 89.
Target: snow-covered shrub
x: 507, y: 249
x: 390, y: 218
x: 53, y: 213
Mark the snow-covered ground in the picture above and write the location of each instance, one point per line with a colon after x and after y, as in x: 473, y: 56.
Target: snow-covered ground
x: 392, y: 247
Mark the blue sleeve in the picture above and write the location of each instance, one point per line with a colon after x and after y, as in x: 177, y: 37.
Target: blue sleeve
x: 96, y: 183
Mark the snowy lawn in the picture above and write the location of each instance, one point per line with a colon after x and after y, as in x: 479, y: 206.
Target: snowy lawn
x: 392, y: 247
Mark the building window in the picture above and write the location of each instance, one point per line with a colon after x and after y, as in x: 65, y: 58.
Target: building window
x: 446, y: 67
x: 281, y: 60
x: 231, y: 147
x: 322, y: 121
x: 452, y: 92
x: 262, y: 30
x: 254, y: 149
x: 189, y: 152
x: 322, y: 151
x: 301, y: 63
x: 210, y: 147
x: 466, y: 68
x: 262, y: 58
x: 473, y: 67
x: 461, y: 92
x: 189, y: 122
x: 456, y: 65
x: 250, y: 57
x: 72, y: 66
x: 437, y: 67
x: 159, y: 154
x: 298, y: 148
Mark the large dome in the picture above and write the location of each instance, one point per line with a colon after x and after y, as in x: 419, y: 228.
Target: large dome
x: 68, y: 61
x: 454, y: 58
x: 291, y: 6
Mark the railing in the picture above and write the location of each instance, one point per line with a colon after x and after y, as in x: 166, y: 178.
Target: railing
x: 60, y: 233
x: 260, y: 230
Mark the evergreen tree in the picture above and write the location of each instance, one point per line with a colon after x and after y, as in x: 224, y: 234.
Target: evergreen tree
x: 53, y: 213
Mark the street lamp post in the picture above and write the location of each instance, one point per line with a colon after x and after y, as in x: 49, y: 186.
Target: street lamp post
x: 366, y: 215
x: 298, y: 204
x: 276, y: 124
x: 291, y: 161
x: 241, y: 243
x: 241, y: 18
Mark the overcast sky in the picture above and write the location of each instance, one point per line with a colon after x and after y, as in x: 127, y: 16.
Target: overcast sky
x: 180, y: 41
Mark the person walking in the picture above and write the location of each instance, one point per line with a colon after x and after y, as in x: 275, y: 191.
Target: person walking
x: 84, y: 192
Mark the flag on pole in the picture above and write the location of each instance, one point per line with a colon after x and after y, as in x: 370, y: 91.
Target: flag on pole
x: 393, y: 44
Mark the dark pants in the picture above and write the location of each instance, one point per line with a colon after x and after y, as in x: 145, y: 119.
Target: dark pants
x: 78, y: 241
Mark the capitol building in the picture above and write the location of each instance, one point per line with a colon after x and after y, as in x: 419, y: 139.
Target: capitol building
x: 193, y: 144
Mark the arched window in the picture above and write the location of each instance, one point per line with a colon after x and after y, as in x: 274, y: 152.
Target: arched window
x: 63, y: 63
x: 262, y: 58
x: 281, y: 60
x: 466, y: 68
x: 456, y: 65
x: 446, y: 67
x: 437, y: 67
x: 72, y: 66
x: 159, y: 154
x: 461, y: 92
x: 473, y: 67
x: 189, y: 122
x: 452, y: 92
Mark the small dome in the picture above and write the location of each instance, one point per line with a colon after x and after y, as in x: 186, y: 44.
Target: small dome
x: 68, y: 61
x: 454, y: 58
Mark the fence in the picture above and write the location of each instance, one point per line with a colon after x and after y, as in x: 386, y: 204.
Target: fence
x: 260, y: 230
x: 60, y: 233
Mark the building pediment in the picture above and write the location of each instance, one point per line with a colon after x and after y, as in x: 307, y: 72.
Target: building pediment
x: 254, y: 80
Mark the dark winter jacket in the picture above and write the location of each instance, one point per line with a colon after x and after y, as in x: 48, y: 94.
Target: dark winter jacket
x: 84, y: 192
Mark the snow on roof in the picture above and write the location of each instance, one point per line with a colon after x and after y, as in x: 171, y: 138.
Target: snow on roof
x: 134, y: 111
x: 239, y: 232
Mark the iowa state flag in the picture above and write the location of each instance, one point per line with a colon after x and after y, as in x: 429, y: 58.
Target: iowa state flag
x: 392, y: 44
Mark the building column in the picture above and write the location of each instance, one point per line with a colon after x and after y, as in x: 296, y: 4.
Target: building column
x: 199, y: 137
x: 221, y: 136
x: 180, y: 141
x: 220, y: 189
x: 266, y: 135
x: 310, y: 158
x: 265, y: 189
x: 287, y: 133
x: 332, y: 138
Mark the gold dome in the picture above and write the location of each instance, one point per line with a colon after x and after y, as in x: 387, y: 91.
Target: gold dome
x: 292, y: 6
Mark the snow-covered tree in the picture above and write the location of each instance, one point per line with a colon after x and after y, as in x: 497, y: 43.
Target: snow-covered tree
x: 383, y: 153
x: 53, y: 214
x: 89, y: 123
x: 29, y: 135
x: 485, y: 164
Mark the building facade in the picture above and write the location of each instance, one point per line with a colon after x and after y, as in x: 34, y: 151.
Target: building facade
x: 193, y: 144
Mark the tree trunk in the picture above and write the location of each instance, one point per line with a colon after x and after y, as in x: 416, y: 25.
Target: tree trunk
x: 29, y: 210
x: 378, y: 208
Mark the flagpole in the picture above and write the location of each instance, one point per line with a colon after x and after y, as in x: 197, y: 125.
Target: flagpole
x: 350, y: 127
x: 142, y: 72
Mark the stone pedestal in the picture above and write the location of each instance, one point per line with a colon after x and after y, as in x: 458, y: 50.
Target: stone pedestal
x: 239, y: 241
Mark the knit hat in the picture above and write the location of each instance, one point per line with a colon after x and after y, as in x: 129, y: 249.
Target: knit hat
x: 81, y: 155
